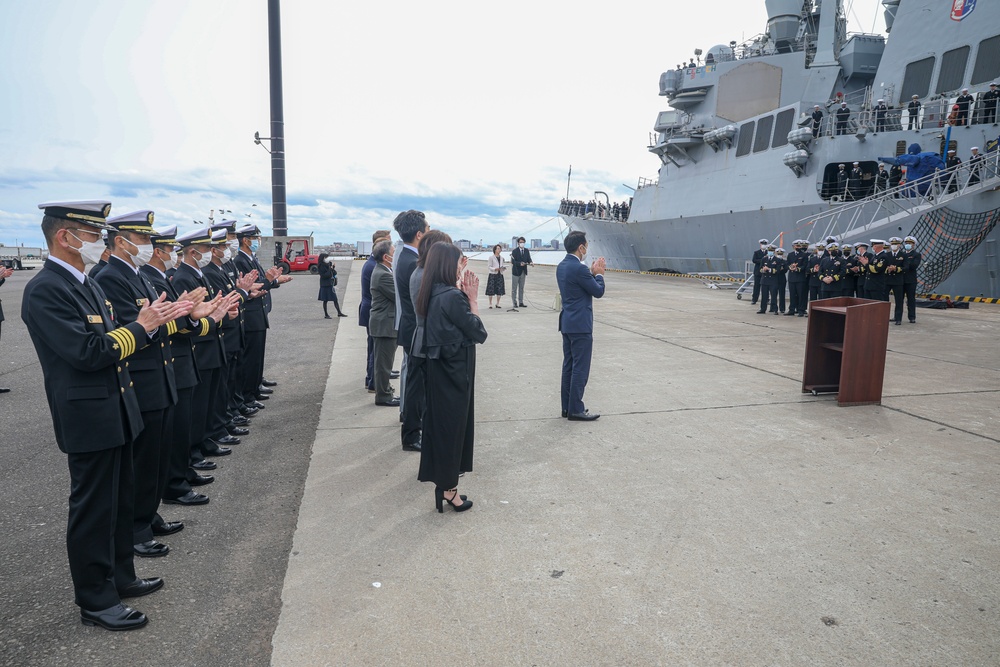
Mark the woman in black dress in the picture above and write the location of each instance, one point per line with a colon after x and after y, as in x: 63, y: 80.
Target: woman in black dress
x: 452, y: 329
x: 327, y: 285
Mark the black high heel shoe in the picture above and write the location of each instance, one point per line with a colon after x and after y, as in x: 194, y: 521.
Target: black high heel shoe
x: 440, y: 500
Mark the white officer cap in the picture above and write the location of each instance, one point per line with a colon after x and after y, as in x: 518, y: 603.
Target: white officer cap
x: 196, y: 236
x: 92, y: 213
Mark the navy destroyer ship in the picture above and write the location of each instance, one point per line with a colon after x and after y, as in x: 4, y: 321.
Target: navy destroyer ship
x: 742, y: 157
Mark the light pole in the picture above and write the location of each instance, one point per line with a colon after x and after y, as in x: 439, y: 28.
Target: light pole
x: 279, y: 212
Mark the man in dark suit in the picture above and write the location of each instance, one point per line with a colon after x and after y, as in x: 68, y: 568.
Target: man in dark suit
x: 520, y: 260
x: 82, y: 351
x: 578, y: 286
x: 5, y: 273
x: 381, y: 323
x: 411, y: 227
x: 365, y: 308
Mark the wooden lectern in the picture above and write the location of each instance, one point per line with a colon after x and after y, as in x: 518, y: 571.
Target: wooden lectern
x: 845, y: 349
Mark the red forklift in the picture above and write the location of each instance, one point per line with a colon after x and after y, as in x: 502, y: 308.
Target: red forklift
x: 299, y: 256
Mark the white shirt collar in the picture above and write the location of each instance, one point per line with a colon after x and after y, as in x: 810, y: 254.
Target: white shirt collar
x: 134, y: 270
x: 411, y: 249
x: 69, y: 267
x: 162, y: 274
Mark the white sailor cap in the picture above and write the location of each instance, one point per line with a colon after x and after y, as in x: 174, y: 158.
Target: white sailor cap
x: 219, y: 237
x: 92, y: 213
x: 993, y: 85
x: 832, y: 245
x: 860, y: 244
x: 856, y: 163
x: 975, y: 148
x: 763, y: 241
x: 197, y: 236
x: 911, y: 238
x: 815, y: 106
x: 878, y: 242
x: 830, y: 239
x: 965, y: 90
x: 228, y: 225
x: 165, y: 235
x: 779, y: 251
x: 895, y: 239
x: 771, y: 246
x: 843, y: 104
x: 820, y: 245
x: 140, y: 222
x: 881, y: 100
x: 951, y: 151
x: 915, y: 96
x: 248, y: 230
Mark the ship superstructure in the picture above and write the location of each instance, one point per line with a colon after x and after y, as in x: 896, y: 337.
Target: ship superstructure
x: 742, y: 157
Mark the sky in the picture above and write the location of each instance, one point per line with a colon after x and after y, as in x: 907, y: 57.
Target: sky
x: 471, y: 113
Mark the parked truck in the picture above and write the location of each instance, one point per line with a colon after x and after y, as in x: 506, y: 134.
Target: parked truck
x: 364, y: 249
x: 22, y: 257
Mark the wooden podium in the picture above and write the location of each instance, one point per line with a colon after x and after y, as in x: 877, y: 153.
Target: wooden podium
x: 845, y: 349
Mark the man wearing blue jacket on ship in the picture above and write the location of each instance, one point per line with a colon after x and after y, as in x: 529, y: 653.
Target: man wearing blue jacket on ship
x: 578, y: 287
x: 920, y: 166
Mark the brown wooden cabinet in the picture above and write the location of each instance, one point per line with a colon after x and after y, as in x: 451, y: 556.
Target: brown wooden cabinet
x: 845, y: 349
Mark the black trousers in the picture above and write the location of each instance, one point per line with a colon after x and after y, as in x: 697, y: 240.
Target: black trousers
x: 830, y: 291
x: 813, y: 292
x: 370, y: 368
x: 178, y: 447
x: 99, y: 528
x: 756, y: 287
x: 415, y: 403
x: 897, y: 293
x: 769, y: 294
x: 989, y: 114
x: 220, y: 408
x: 798, y: 296
x: 147, y: 455
x: 782, y: 283
x: 202, y: 405
x: 876, y: 292
x: 910, y: 289
x: 253, y: 363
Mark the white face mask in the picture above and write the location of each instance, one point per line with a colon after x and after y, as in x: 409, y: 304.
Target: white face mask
x: 520, y: 245
x: 234, y: 247
x: 894, y: 247
x: 204, y: 259
x: 227, y: 254
x: 90, y: 251
x: 172, y: 262
x: 143, y: 254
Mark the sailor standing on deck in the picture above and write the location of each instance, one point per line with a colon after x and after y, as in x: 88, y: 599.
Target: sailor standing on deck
x: 881, y: 178
x: 843, y: 180
x: 843, y: 118
x: 913, y: 109
x: 758, y: 257
x: 880, y: 112
x: 990, y: 98
x: 854, y: 182
x: 812, y: 268
x: 817, y: 120
x: 964, y: 104
x: 82, y: 351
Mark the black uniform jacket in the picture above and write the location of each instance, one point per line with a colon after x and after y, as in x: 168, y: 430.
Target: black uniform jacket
x: 800, y: 259
x: 151, y: 367
x: 450, y: 324
x: 83, y: 355
x: 911, y: 260
x: 896, y: 277
x: 831, y: 267
x: 208, y: 350
x: 256, y: 309
x: 182, y: 331
x: 231, y: 330
x: 876, y: 270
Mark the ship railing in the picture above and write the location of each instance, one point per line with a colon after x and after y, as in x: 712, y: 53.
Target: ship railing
x: 906, y: 199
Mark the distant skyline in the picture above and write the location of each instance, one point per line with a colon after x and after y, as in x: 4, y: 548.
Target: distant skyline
x: 471, y: 115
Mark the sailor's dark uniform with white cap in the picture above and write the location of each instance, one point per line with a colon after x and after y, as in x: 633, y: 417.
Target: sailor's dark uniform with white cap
x: 894, y: 276
x: 875, y: 277
x: 964, y: 102
x: 153, y: 374
x: 989, y: 99
x: 208, y: 351
x: 975, y: 165
x: 798, y: 279
x: 911, y: 261
x: 861, y: 274
x: 771, y: 270
x: 913, y: 110
x: 831, y: 266
x: 880, y: 111
x: 232, y: 337
x: 854, y: 182
x: 84, y: 352
x: 758, y: 257
x: 843, y: 117
x: 256, y: 323
x: 812, y: 268
x: 175, y: 478
x: 235, y: 338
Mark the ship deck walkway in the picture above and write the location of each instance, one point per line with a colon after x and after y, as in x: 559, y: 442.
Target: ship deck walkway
x: 713, y: 515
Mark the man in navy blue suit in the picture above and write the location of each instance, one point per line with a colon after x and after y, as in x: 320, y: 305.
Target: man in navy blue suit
x: 578, y: 286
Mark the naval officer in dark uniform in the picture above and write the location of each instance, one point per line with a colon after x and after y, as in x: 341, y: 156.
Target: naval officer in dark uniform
x: 894, y: 276
x: 911, y: 262
x: 82, y: 352
x: 4, y: 274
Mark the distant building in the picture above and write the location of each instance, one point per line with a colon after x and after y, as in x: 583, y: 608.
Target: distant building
x: 536, y: 243
x: 464, y: 244
x: 556, y: 243
x: 513, y: 241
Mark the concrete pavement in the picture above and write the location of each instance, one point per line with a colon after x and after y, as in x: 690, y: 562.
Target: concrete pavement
x: 714, y: 515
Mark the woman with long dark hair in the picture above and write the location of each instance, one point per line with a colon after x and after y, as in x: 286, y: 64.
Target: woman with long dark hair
x: 452, y: 329
x: 327, y: 285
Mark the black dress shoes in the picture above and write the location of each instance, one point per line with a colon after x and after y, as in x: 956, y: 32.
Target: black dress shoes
x: 219, y: 451
x: 168, y: 528
x: 565, y: 413
x: 189, y: 498
x: 585, y: 416
x: 521, y: 305
x: 237, y: 430
x: 247, y: 411
x: 201, y: 480
x: 393, y: 375
x: 4, y: 390
x: 255, y: 405
x: 264, y: 390
x: 141, y: 587
x: 204, y: 465
x: 240, y: 420
x: 412, y: 446
x: 150, y: 549
x: 118, y: 617
x: 269, y: 383
x: 226, y: 440
x: 261, y: 397
x: 392, y: 403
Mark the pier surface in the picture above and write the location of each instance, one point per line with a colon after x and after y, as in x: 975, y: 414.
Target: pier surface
x: 714, y: 515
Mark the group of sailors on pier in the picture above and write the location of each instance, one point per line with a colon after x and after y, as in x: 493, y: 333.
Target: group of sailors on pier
x: 827, y: 269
